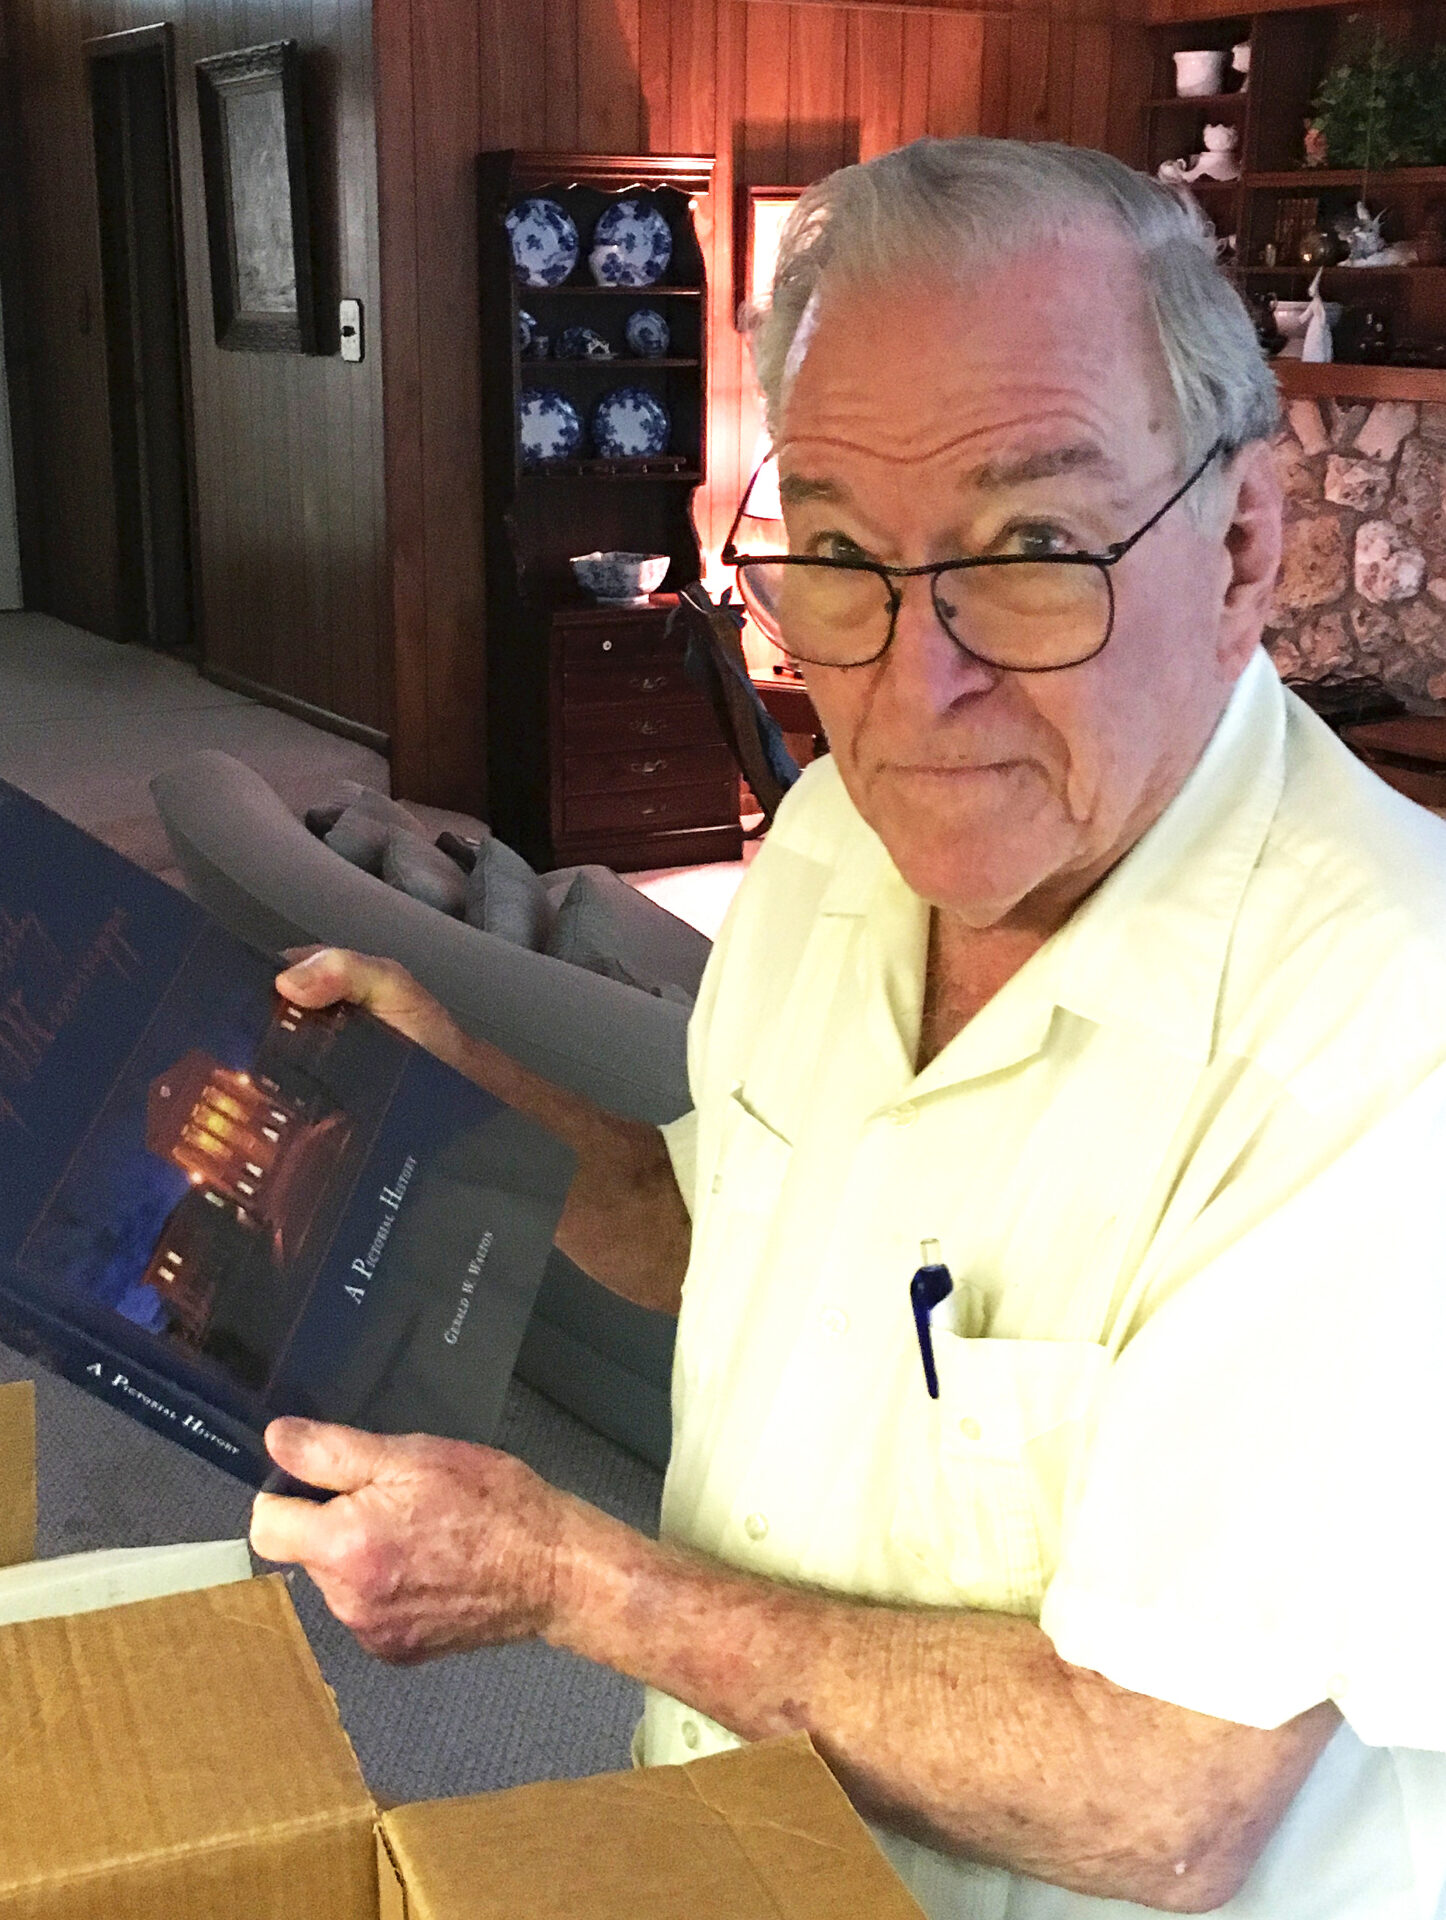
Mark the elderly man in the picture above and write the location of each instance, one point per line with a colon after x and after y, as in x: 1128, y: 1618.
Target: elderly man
x: 1090, y: 956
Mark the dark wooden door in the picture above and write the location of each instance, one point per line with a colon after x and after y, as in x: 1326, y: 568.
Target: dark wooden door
x: 132, y: 106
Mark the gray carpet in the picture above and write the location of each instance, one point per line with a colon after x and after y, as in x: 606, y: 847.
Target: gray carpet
x: 84, y: 724
x: 461, y: 1725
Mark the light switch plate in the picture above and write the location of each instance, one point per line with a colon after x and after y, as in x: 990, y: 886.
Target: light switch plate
x: 350, y: 328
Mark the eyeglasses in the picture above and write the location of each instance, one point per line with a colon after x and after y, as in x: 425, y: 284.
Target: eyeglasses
x: 1025, y: 613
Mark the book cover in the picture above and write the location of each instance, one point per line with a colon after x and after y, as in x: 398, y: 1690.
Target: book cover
x: 216, y: 1207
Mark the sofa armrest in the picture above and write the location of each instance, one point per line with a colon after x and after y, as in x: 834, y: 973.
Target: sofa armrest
x: 251, y: 863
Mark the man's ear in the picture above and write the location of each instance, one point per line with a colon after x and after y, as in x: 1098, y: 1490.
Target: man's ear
x: 1252, y: 540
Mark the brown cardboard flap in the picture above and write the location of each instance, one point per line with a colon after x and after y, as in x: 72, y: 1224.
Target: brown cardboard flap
x: 198, y: 1761
x: 764, y: 1833
x: 17, y: 1473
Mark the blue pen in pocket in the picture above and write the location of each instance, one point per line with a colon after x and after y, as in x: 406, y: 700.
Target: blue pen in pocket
x: 932, y: 1283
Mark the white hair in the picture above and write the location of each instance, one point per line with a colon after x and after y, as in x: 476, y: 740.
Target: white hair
x: 964, y: 206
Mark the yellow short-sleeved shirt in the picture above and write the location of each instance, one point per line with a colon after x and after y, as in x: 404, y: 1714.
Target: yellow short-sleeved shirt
x: 1188, y: 1169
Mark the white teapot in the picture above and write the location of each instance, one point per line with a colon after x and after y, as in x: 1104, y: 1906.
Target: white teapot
x: 1219, y: 161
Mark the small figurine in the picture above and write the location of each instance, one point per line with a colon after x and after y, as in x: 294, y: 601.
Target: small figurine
x: 1366, y: 246
x: 1217, y: 162
x: 1240, y: 62
x: 1315, y: 146
x: 1317, y: 344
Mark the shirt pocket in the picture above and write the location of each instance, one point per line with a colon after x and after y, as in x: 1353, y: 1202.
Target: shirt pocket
x: 999, y: 1458
x: 729, y: 1236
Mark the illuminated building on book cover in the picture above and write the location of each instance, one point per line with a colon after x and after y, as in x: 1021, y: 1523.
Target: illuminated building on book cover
x: 259, y: 1155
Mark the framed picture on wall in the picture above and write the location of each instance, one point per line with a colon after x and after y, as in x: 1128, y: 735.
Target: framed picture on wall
x: 256, y: 213
x: 761, y: 215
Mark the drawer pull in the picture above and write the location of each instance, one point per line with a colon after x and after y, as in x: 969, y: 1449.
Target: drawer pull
x: 607, y: 646
x: 647, y: 727
x: 646, y: 766
x: 649, y: 682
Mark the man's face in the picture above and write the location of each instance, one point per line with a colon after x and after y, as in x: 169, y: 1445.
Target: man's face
x: 931, y: 424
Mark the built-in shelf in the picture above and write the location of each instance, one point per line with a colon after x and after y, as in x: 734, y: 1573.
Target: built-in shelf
x: 608, y: 470
x: 574, y: 291
x: 1307, y: 179
x: 1339, y: 273
x: 1298, y: 380
x: 1202, y: 102
x: 621, y: 363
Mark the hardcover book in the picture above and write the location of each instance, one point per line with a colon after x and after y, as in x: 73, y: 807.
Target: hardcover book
x: 217, y: 1207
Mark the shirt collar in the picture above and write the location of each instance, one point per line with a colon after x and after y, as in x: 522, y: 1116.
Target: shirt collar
x: 1148, y: 947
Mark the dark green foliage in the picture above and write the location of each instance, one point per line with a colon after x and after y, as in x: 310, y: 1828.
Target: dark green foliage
x: 1383, y: 107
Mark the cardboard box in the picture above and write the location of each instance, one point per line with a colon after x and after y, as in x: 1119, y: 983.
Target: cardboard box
x: 178, y: 1756
x: 764, y: 1833
x: 182, y: 1757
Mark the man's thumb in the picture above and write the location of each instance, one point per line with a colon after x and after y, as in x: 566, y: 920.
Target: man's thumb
x: 337, y: 1459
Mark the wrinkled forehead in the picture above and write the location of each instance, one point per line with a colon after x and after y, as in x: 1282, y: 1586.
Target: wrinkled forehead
x: 1057, y: 342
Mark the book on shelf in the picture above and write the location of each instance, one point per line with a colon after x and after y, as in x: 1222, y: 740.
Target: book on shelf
x: 216, y: 1206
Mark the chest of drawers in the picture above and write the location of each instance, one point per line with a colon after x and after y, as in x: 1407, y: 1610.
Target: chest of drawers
x: 639, y: 775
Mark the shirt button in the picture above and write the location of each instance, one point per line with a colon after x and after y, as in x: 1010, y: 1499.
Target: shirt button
x: 969, y: 1429
x: 756, y: 1525
x: 903, y: 1114
x: 691, y: 1733
x: 834, y: 1320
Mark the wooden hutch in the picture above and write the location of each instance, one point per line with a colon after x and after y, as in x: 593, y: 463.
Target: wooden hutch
x: 599, y: 748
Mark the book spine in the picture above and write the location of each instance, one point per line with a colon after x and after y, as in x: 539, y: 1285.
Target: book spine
x: 143, y: 1392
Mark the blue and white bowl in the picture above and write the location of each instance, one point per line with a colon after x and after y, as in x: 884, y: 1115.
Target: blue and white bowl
x: 545, y: 245
x: 549, y: 426
x: 629, y: 423
x: 526, y: 331
x: 647, y: 333
x: 620, y: 579
x: 643, y: 241
x: 581, y: 343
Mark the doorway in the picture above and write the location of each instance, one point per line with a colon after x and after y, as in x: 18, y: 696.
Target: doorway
x: 132, y: 95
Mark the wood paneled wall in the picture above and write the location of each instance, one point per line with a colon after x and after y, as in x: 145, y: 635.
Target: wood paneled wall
x: 288, y: 450
x: 779, y: 92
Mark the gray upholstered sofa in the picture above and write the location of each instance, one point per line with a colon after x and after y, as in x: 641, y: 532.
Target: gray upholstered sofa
x: 255, y: 866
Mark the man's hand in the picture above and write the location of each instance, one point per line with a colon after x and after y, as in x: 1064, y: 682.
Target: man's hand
x: 324, y: 975
x: 431, y: 1547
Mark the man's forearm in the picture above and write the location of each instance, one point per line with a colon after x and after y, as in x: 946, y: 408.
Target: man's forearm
x: 965, y: 1730
x: 625, y: 1222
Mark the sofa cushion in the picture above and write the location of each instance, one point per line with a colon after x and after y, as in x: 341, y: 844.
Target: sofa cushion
x: 415, y: 866
x: 349, y: 794
x: 506, y: 898
x: 360, y: 837
x: 610, y: 928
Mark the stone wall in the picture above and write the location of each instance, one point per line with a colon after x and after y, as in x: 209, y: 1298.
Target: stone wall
x: 1362, y: 587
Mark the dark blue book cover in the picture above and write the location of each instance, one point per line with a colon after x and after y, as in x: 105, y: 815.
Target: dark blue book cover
x: 216, y: 1207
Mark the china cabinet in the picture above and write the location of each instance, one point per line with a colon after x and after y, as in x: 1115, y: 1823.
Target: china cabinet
x: 599, y: 748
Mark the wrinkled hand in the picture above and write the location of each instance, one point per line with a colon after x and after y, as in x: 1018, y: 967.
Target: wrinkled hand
x: 328, y: 974
x: 432, y: 1547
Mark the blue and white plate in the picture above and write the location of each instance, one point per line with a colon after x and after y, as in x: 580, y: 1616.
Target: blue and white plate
x: 581, y: 343
x: 647, y: 333
x: 632, y: 244
x: 549, y: 426
x: 629, y: 423
x: 545, y: 245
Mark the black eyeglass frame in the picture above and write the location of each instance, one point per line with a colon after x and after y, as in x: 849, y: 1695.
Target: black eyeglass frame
x: 1106, y: 558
